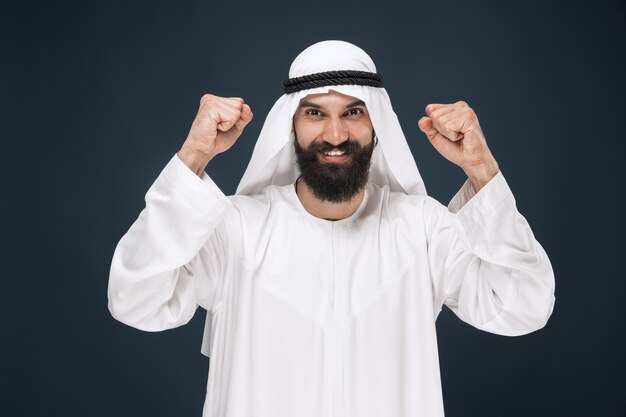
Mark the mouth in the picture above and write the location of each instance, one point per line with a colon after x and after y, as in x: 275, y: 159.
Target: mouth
x: 335, y: 156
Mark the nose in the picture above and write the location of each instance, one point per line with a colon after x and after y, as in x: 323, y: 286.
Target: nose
x: 335, y: 132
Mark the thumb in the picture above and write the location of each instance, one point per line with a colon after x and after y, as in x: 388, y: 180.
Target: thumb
x: 443, y: 145
x: 245, y: 118
x: 426, y: 125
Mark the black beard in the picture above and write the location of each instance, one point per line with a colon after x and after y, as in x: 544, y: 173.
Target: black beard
x: 332, y: 182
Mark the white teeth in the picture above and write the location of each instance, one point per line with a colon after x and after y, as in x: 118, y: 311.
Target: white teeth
x: 334, y: 153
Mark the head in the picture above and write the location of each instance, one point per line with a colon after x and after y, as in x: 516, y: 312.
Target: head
x: 319, y: 72
x: 334, y: 142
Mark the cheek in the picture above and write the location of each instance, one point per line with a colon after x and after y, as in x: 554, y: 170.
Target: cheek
x: 307, y: 133
x: 362, y: 133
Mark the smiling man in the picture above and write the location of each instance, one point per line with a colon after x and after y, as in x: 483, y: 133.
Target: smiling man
x: 323, y: 276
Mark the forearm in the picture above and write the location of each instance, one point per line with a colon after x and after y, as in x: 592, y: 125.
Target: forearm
x: 195, y: 160
x: 510, y: 287
x: 151, y: 285
x: 479, y: 175
x: 487, y: 265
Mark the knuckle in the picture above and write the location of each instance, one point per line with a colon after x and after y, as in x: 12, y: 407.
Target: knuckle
x: 238, y: 103
x: 206, y: 98
x: 462, y: 103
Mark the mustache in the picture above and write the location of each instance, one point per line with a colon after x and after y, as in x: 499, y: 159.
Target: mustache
x: 348, y: 146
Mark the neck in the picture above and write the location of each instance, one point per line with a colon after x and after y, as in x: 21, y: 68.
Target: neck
x: 326, y: 210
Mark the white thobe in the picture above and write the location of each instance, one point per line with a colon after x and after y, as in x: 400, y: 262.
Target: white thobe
x: 314, y: 318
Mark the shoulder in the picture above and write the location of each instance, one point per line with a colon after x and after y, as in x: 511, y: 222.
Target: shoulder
x: 270, y: 195
x: 396, y: 214
x: 398, y: 210
x: 259, y: 206
x: 256, y: 215
x: 395, y: 202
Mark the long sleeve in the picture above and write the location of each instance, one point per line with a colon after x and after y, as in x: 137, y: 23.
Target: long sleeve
x: 173, y: 257
x: 485, y: 263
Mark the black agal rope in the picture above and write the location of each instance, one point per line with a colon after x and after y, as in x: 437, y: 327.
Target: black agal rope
x: 322, y: 79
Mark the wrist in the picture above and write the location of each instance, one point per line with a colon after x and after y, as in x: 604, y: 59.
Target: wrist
x: 480, y: 174
x: 195, y: 161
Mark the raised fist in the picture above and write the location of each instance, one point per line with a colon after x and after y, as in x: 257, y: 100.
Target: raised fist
x: 454, y: 131
x: 218, y: 124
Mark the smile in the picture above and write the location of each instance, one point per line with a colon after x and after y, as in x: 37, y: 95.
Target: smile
x: 334, y: 153
x: 335, y: 156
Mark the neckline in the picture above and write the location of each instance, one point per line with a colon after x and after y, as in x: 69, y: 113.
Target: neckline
x: 296, y: 201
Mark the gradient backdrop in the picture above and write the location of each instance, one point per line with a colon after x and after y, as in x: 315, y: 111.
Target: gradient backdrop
x: 97, y: 96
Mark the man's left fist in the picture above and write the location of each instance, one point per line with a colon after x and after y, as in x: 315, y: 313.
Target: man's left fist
x: 454, y: 131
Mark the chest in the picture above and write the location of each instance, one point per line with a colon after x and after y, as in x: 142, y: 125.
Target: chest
x: 331, y: 271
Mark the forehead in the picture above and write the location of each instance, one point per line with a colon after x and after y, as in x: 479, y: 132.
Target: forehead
x: 332, y: 98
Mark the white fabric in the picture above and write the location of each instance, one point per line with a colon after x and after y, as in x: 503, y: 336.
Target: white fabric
x: 273, y: 161
x: 313, y: 318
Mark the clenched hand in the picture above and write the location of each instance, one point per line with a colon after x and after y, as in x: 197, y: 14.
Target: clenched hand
x: 218, y: 124
x: 454, y: 131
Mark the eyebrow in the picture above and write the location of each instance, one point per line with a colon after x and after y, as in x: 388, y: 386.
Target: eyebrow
x: 318, y: 107
x: 355, y: 104
x: 309, y: 104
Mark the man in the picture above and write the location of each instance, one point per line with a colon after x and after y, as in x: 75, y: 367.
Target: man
x: 324, y: 275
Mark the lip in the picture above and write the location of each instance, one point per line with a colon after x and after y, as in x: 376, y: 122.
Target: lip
x: 336, y: 158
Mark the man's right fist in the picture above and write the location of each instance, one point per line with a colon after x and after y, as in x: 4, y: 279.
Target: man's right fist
x: 215, y: 129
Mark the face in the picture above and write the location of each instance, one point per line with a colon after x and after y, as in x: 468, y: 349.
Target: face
x: 334, y: 144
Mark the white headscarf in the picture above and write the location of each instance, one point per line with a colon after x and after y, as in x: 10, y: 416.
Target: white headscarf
x: 273, y: 161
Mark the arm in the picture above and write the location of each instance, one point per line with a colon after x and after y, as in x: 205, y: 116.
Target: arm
x: 174, y: 255
x: 485, y: 263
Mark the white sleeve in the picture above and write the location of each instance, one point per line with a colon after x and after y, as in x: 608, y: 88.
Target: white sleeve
x: 485, y: 263
x: 173, y: 257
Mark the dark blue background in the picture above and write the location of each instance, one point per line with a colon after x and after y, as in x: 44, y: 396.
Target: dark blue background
x: 97, y: 97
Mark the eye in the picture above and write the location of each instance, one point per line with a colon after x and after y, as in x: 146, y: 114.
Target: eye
x: 354, y: 112
x: 313, y: 112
